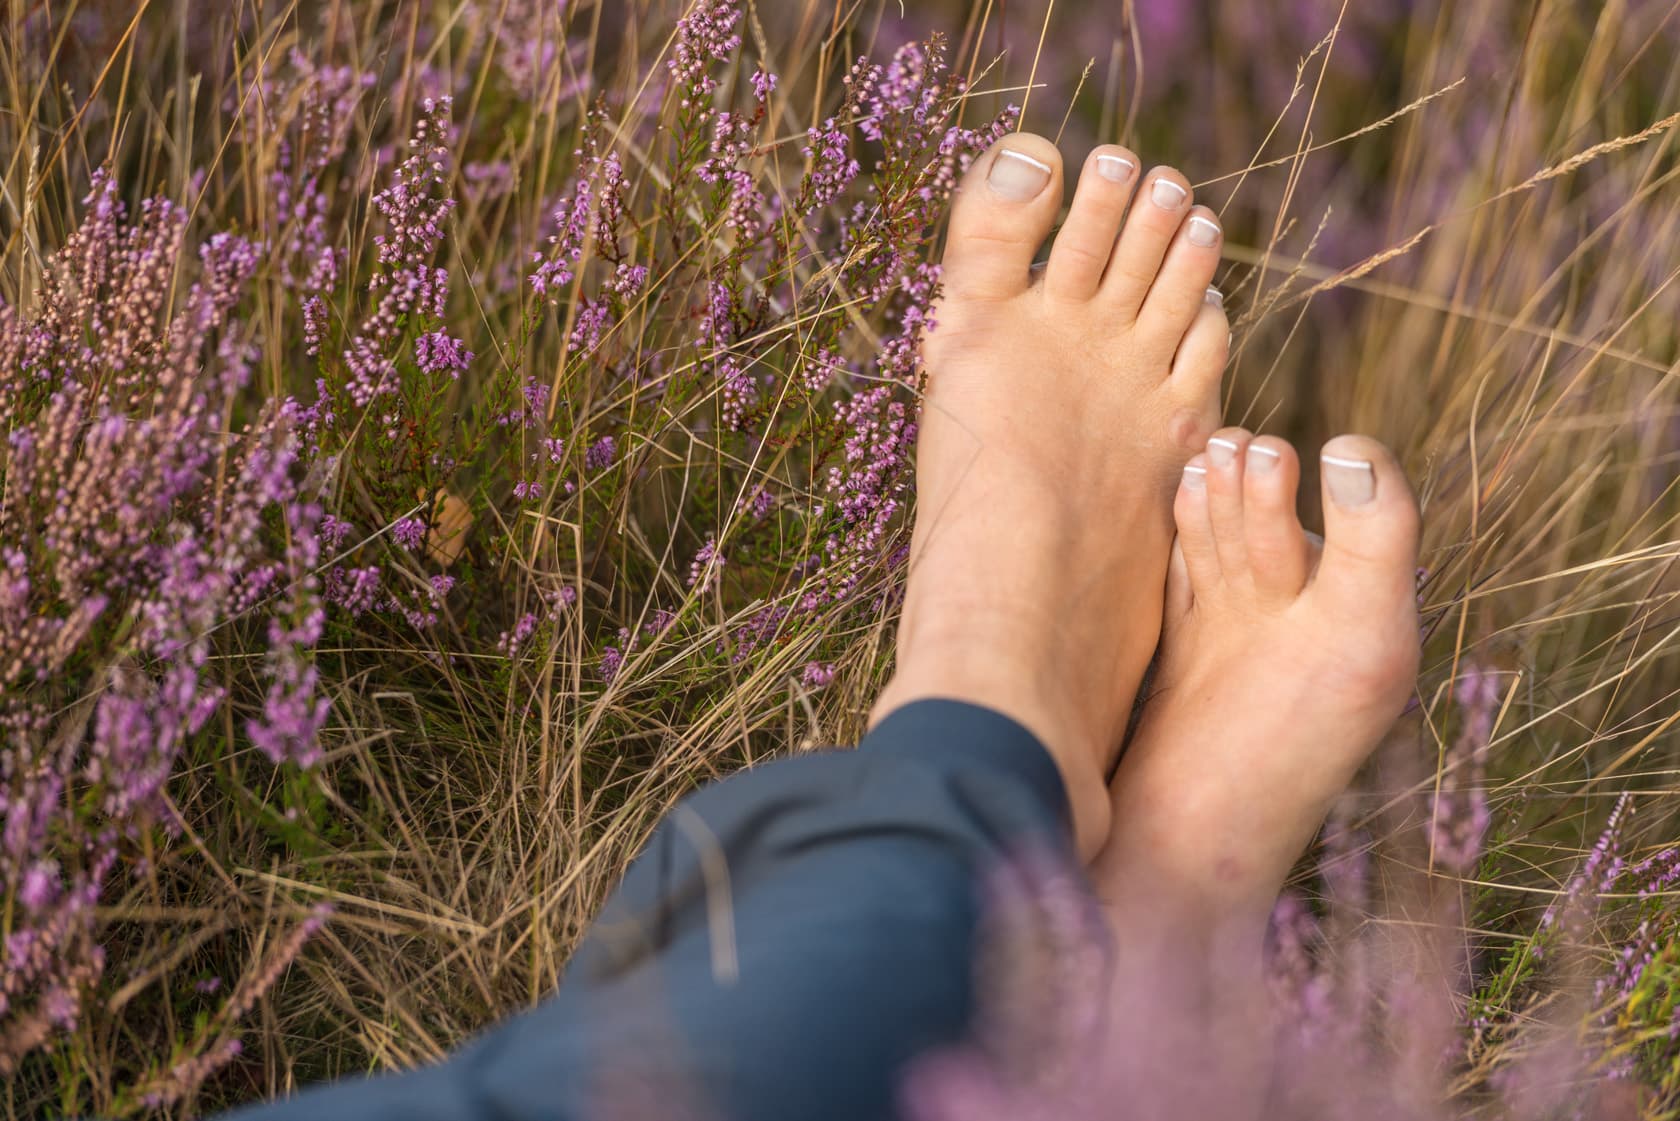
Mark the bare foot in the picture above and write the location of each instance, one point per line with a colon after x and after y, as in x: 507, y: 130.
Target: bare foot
x: 1282, y: 665
x: 1060, y: 409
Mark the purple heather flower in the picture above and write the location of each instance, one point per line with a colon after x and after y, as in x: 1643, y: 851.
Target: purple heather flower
x: 40, y: 886
x: 706, y: 34
x: 611, y: 659
x: 628, y: 280
x: 333, y: 532
x: 410, y: 533
x: 1461, y: 817
x: 703, y: 570
x: 512, y: 641
x: 441, y: 353
x: 601, y: 453
x: 593, y: 319
x: 354, y: 589
x: 832, y: 167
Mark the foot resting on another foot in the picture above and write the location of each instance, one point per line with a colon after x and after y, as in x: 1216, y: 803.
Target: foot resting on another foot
x: 1061, y: 406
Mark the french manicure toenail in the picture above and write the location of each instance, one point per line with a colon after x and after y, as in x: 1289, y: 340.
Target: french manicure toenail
x: 1261, y: 458
x: 1215, y: 297
x: 1351, y: 482
x: 1195, y: 476
x: 1016, y: 176
x: 1203, y: 232
x: 1222, y: 452
x: 1116, y: 168
x: 1167, y: 195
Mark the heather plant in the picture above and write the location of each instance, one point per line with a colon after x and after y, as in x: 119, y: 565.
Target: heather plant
x: 439, y: 437
x: 139, y: 517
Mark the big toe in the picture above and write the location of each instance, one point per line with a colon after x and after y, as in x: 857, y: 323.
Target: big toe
x: 1002, y: 214
x: 1371, y: 520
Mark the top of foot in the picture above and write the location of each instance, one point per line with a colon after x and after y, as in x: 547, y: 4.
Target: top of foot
x: 1283, y: 664
x: 1061, y: 404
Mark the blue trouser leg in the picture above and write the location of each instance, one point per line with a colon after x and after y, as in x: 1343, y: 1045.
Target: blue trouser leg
x: 790, y: 939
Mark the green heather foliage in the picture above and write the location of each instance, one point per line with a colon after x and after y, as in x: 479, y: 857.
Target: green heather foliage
x: 439, y: 436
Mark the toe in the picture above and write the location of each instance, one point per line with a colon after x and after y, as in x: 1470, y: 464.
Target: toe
x: 1180, y: 289
x: 1002, y: 214
x: 1370, y: 530
x: 1163, y: 200
x: 1086, y: 240
x: 1278, y: 550
x: 1195, y: 530
x: 1225, y: 450
x: 1199, y: 366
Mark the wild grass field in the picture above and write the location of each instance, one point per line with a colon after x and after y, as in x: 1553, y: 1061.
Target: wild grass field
x: 438, y: 436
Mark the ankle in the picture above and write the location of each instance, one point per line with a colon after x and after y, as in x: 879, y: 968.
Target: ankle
x: 975, y: 672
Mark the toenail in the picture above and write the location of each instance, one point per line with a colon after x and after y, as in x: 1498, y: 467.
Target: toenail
x: 1203, y: 232
x: 1222, y: 452
x: 1167, y: 195
x: 1215, y: 297
x: 1016, y: 176
x: 1262, y: 459
x: 1351, y: 482
x: 1195, y: 476
x: 1117, y: 168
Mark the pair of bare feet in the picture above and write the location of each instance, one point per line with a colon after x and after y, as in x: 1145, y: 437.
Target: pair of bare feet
x: 1070, y: 425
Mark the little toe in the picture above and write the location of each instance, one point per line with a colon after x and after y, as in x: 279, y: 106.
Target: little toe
x: 1279, y: 553
x: 1199, y: 366
x: 1162, y: 202
x: 1086, y: 240
x: 1180, y: 288
x: 1370, y: 530
x: 1195, y: 529
x: 1002, y: 214
x: 1225, y: 456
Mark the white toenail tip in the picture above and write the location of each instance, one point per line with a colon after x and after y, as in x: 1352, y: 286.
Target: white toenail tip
x: 1194, y: 469
x: 1119, y: 165
x: 1261, y: 449
x: 1168, y: 194
x: 1215, y: 297
x: 1010, y: 153
x: 1355, y: 464
x: 1220, y: 441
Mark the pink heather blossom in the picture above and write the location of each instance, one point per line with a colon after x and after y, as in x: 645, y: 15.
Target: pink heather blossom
x: 611, y: 660
x: 410, y: 533
x: 129, y: 508
x: 601, y: 453
x: 706, y: 34
x: 1460, y: 816
x: 704, y: 568
x: 439, y: 353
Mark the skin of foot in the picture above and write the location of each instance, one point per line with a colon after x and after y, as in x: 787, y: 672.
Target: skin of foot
x: 1283, y: 663
x: 1061, y: 405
